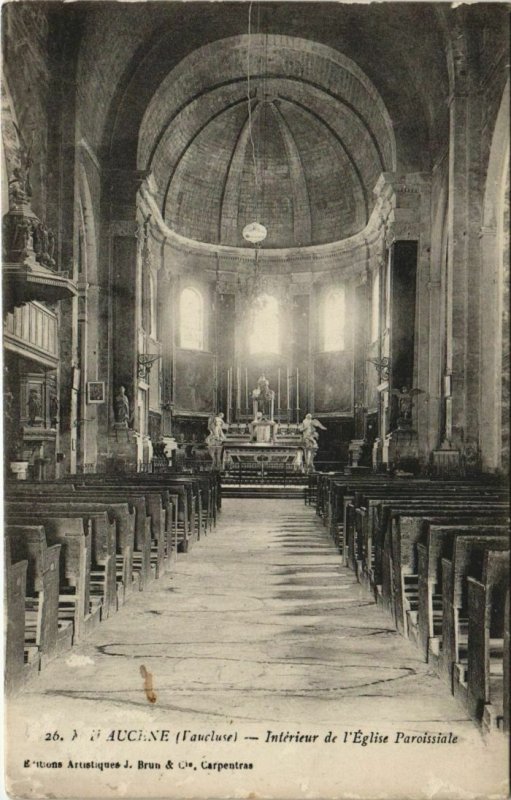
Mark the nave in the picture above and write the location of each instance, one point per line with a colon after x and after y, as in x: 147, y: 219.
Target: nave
x: 259, y: 627
x: 256, y: 254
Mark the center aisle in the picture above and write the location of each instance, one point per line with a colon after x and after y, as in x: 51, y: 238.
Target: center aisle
x: 258, y: 624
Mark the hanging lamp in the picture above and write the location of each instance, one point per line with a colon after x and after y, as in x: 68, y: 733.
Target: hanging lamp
x: 254, y: 232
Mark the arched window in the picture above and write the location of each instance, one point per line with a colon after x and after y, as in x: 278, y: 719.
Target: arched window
x: 264, y: 334
x: 191, y: 320
x: 333, y: 320
x: 375, y: 317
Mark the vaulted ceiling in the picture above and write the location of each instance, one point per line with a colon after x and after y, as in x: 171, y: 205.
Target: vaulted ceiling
x: 339, y: 93
x: 273, y: 129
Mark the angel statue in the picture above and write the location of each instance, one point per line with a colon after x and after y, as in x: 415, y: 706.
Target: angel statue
x: 308, y: 428
x: 405, y: 403
x: 216, y: 438
x: 310, y: 438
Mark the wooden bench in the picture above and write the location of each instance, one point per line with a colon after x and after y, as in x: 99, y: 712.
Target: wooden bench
x: 402, y: 515
x: 507, y: 654
x: 364, y: 496
x: 483, y: 676
x: 21, y: 662
x: 103, y: 578
x: 42, y: 627
x: 466, y: 560
x: 177, y: 492
x: 133, y: 547
x: 74, y: 533
x: 436, y: 541
x: 373, y: 505
x: 402, y: 560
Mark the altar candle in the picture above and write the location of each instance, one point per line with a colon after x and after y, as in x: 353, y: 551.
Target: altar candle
x: 229, y: 395
x: 246, y: 386
x: 287, y: 389
x: 238, y: 388
x: 278, y: 390
x: 297, y: 391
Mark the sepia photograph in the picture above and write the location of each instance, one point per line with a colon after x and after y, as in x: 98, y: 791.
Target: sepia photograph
x: 255, y: 293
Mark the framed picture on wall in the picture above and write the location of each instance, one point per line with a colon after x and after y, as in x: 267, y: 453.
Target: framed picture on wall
x: 96, y: 392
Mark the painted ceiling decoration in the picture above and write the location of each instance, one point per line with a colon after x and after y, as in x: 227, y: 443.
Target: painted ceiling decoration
x: 321, y: 137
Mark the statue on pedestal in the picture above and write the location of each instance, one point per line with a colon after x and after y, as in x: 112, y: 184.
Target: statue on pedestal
x: 263, y: 398
x: 405, y: 403
x: 310, y: 438
x: 122, y: 408
x: 216, y: 438
x: 34, y: 407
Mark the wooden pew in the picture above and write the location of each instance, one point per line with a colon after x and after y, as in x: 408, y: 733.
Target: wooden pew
x: 42, y: 627
x: 396, y: 524
x: 103, y: 578
x: 483, y: 676
x: 466, y: 560
x: 147, y: 558
x: 436, y: 541
x: 175, y: 491
x: 133, y: 527
x: 197, y: 512
x: 507, y: 654
x: 75, y: 536
x: 376, y: 502
x: 20, y: 662
x: 360, y: 492
x: 402, y: 560
x: 398, y: 520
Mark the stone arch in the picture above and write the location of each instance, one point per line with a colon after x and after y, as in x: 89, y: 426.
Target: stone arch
x: 88, y: 321
x: 494, y: 384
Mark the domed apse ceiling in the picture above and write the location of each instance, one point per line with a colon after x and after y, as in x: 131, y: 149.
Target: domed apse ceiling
x: 303, y: 159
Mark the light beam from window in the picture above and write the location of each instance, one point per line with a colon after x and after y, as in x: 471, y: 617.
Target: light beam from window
x: 334, y: 320
x: 265, y: 330
x: 191, y: 320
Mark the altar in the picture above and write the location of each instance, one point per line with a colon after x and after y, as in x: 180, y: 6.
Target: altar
x: 262, y: 446
x: 262, y: 457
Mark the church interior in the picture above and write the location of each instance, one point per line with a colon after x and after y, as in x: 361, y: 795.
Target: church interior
x: 256, y: 368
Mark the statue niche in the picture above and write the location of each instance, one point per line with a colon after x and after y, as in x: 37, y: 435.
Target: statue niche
x: 121, y: 408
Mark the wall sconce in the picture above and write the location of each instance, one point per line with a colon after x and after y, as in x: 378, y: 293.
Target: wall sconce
x: 382, y: 367
x: 145, y: 362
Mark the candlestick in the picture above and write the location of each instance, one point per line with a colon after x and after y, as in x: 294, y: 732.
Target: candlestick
x: 229, y: 399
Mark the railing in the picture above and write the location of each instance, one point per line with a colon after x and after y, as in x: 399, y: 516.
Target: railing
x: 329, y: 466
x: 260, y: 472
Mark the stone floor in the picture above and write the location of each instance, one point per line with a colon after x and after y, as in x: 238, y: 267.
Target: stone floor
x: 258, y: 632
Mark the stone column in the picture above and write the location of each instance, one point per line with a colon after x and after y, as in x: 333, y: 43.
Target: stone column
x: 404, y: 202
x: 124, y: 295
x: 463, y: 347
x: 123, y: 186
